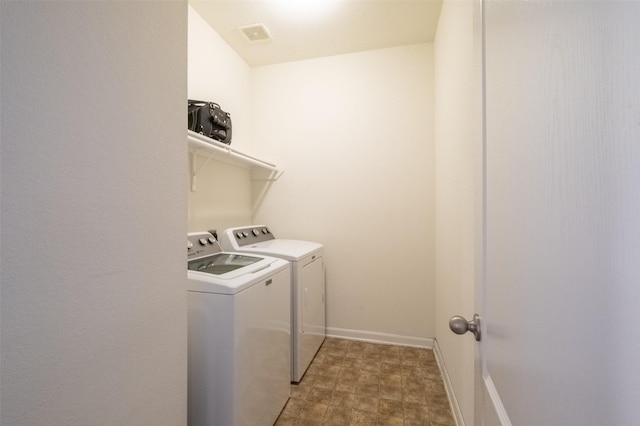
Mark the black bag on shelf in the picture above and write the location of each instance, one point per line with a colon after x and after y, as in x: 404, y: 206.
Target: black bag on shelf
x: 207, y: 118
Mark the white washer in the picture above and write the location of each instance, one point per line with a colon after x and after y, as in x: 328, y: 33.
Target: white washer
x: 239, y: 325
x: 308, y: 317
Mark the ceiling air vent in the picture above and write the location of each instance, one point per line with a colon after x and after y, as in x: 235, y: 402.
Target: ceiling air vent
x: 255, y: 33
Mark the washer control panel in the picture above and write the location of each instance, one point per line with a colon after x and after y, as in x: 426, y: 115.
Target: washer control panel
x: 201, y: 244
x: 252, y: 235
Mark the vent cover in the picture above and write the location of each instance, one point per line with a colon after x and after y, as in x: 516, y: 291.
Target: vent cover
x: 255, y: 33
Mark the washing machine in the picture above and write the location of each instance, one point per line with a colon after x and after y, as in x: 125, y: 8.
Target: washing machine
x: 239, y: 328
x: 308, y: 318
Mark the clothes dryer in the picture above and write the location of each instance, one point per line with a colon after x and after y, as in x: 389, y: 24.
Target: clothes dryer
x: 308, y: 313
x: 239, y: 335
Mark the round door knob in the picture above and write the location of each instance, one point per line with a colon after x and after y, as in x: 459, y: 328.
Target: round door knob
x: 460, y: 325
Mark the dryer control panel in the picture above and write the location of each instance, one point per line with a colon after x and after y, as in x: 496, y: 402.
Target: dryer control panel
x: 250, y: 235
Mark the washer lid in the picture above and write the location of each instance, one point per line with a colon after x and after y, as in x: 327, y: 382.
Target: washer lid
x: 207, y: 276
x: 222, y: 264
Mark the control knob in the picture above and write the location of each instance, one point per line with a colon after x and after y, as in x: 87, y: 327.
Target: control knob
x: 255, y: 232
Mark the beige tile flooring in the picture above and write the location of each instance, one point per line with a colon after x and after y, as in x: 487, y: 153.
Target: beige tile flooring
x: 357, y: 383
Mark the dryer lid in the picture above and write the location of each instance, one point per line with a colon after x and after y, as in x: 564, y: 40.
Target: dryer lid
x: 293, y: 250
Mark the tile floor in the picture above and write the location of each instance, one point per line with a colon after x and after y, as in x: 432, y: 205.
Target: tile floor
x: 357, y: 383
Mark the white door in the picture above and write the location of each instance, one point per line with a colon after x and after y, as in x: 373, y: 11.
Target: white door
x: 561, y: 288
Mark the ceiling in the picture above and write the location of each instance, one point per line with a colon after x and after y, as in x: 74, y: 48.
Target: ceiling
x: 304, y: 29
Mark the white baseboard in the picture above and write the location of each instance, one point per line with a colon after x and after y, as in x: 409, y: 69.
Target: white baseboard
x: 500, y: 412
x: 453, y: 401
x: 370, y: 336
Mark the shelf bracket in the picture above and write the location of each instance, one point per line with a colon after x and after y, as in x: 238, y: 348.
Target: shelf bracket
x: 195, y: 169
x: 273, y: 176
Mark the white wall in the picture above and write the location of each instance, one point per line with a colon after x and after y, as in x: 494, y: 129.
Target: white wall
x: 216, y: 73
x: 93, y: 164
x: 458, y: 148
x: 354, y: 134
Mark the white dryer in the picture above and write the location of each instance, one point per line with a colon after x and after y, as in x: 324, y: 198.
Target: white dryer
x: 308, y: 317
x: 239, y: 328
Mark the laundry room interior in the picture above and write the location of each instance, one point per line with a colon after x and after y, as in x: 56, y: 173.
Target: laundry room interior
x: 378, y: 158
x: 490, y: 169
x: 355, y: 139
